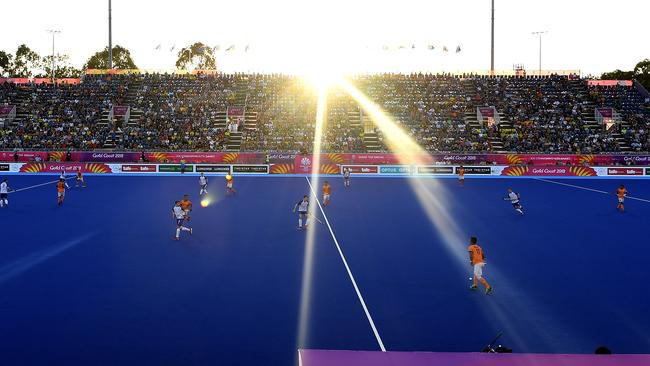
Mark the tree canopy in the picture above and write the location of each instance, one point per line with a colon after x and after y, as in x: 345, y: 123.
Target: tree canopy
x: 641, y: 73
x: 121, y: 59
x: 196, y: 57
x: 26, y: 63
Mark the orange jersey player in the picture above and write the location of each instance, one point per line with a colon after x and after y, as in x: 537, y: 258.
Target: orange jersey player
x: 327, y: 191
x: 61, y: 185
x: 186, y: 205
x: 621, y: 193
x: 461, y: 175
x: 477, y: 260
x: 229, y: 185
x: 80, y: 180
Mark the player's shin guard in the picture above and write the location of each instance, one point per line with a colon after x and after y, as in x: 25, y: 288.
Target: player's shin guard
x: 185, y: 228
x: 299, y: 222
x: 178, y: 232
x: 306, y: 222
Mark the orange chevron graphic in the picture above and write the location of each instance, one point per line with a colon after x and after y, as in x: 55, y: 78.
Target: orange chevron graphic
x: 585, y: 159
x: 230, y: 157
x: 57, y: 155
x: 515, y: 171
x: 581, y: 171
x: 97, y: 168
x: 33, y: 168
x: 281, y: 169
x: 514, y: 159
x: 160, y: 157
x: 336, y: 158
x: 329, y: 169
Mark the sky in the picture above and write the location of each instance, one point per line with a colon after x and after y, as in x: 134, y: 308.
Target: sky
x: 309, y: 36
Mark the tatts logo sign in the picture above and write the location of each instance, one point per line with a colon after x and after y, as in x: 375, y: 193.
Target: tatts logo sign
x: 95, y: 168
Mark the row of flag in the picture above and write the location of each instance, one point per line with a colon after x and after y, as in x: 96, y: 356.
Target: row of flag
x: 384, y: 48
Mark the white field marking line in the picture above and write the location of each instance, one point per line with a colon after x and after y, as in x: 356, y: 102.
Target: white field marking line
x: 36, y: 186
x: 589, y: 189
x: 347, y: 267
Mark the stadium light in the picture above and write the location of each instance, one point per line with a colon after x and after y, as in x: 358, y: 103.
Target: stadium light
x: 110, y: 36
x: 540, y: 33
x: 492, y: 48
x: 53, y: 33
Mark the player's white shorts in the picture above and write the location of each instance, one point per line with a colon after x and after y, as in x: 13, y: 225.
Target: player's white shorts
x: 461, y: 177
x: 478, y: 270
x: 60, y: 194
x: 621, y: 199
x: 326, y: 197
x: 229, y: 185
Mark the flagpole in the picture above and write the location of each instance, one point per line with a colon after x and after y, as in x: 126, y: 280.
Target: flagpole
x: 492, y: 48
x: 110, y: 36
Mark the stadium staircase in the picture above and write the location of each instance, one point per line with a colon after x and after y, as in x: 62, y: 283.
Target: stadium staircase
x: 239, y: 99
x: 618, y: 135
x: 234, y: 141
x: 22, y: 98
x: 354, y: 117
x: 371, y: 138
x: 135, y: 87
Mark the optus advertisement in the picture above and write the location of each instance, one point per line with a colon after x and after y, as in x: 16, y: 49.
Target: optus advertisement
x: 397, y: 170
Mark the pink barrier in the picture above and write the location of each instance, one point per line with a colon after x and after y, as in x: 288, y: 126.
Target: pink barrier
x: 370, y: 358
x: 302, y: 163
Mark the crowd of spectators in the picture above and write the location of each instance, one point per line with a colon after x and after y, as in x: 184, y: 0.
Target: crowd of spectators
x: 181, y: 112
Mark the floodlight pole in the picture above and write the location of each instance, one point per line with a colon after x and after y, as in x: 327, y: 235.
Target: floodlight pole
x: 540, y: 49
x: 110, y: 36
x: 53, y: 33
x: 492, y: 48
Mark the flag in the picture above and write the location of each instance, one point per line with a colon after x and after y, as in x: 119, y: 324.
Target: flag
x: 444, y: 49
x: 247, y: 48
x: 400, y: 47
x: 413, y: 46
x: 172, y: 49
x: 217, y: 48
x: 384, y: 47
x: 431, y: 47
x: 458, y: 49
x: 158, y: 47
x: 231, y: 48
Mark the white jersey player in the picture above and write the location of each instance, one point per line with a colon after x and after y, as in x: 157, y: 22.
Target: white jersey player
x: 203, y: 183
x: 4, y: 193
x: 303, y: 207
x: 515, y: 199
x: 346, y: 177
x: 179, y: 214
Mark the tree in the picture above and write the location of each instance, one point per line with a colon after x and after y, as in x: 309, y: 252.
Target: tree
x: 64, y: 68
x: 26, y: 63
x: 6, y: 60
x: 617, y: 75
x: 641, y: 73
x: 121, y: 59
x: 196, y: 57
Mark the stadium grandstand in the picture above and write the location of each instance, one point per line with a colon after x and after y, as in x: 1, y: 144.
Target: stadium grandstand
x: 443, y: 113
